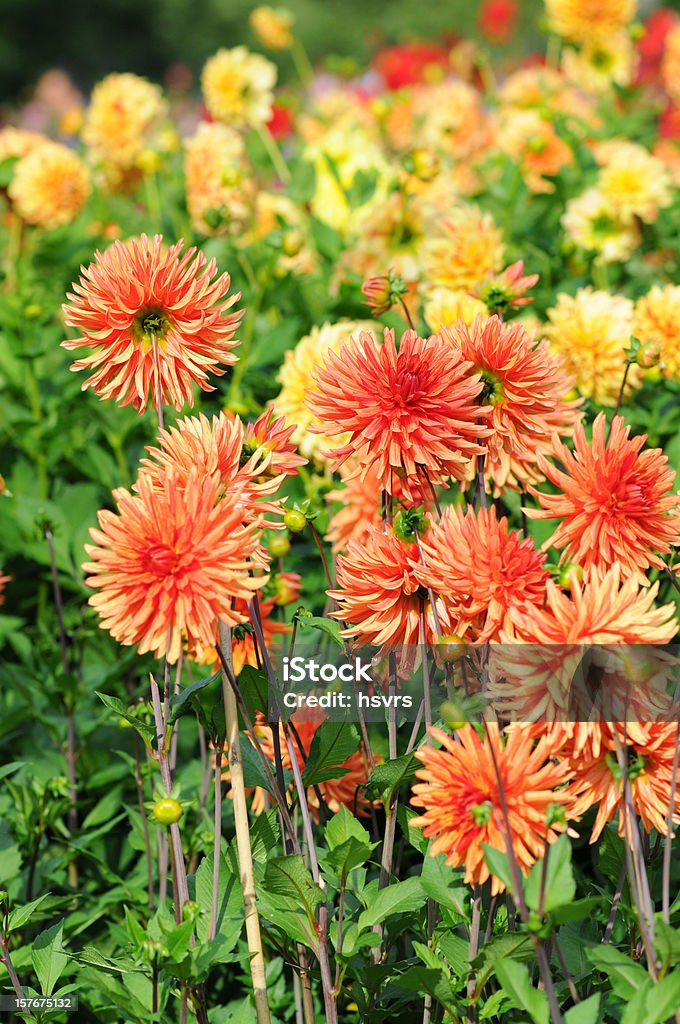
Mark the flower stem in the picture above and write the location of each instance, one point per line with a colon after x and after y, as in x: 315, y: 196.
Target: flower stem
x: 274, y: 153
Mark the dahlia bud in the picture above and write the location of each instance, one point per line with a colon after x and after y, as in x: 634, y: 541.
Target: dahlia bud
x: 383, y: 292
x: 648, y: 355
x: 505, y: 292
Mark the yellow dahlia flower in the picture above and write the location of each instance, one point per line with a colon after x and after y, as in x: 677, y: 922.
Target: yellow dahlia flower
x: 591, y: 331
x: 273, y: 27
x: 581, y: 21
x: 602, y: 63
x: 657, y: 320
x: 123, y: 120
x: 443, y: 308
x: 635, y: 183
x: 296, y: 379
x: 50, y: 186
x: 590, y: 223
x: 220, y: 185
x: 467, y: 249
x: 238, y: 87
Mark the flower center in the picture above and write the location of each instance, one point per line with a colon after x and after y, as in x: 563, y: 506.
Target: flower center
x: 149, y: 326
x: 160, y: 560
x: 481, y: 813
x: 492, y: 392
x: 635, y: 764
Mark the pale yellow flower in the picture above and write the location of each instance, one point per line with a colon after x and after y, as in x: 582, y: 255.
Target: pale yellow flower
x: 467, y: 249
x: 16, y: 142
x: 444, y: 308
x: 123, y: 119
x: 344, y: 162
x: 590, y: 223
x: 591, y: 331
x: 50, y: 186
x: 238, y: 87
x: 297, y: 381
x: 657, y: 320
x: 220, y: 184
x: 582, y: 21
x: 632, y: 181
x: 602, y: 63
x: 273, y: 27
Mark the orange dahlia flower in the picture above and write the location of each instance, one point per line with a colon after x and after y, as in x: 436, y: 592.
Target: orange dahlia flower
x: 380, y: 594
x: 649, y: 750
x: 4, y: 580
x: 253, y: 461
x: 151, y: 312
x: 461, y: 796
x: 482, y: 569
x: 616, y: 503
x: 599, y: 610
x: 563, y: 687
x: 167, y: 566
x: 408, y: 412
x: 525, y: 388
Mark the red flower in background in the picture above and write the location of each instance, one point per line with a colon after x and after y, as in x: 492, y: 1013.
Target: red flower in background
x: 411, y: 63
x: 652, y: 44
x: 282, y: 122
x: 497, y: 20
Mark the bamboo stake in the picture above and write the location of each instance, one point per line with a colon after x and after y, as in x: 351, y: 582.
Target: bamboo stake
x: 245, y: 855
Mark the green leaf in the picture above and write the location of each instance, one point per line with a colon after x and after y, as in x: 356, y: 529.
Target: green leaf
x: 19, y: 917
x: 349, y: 855
x: 666, y: 942
x: 413, y: 833
x: 387, y: 778
x: 499, y: 865
x: 515, y: 981
x: 328, y: 626
x: 343, y: 826
x: 229, y: 901
x: 179, y: 939
x: 49, y: 958
x: 440, y: 883
x: 654, y: 1003
x: 288, y: 876
x: 584, y: 1013
x: 560, y: 885
x: 254, y: 687
x: 400, y: 898
x: 91, y: 957
x: 182, y: 703
x: 456, y: 951
x: 625, y: 975
x: 332, y: 745
x: 146, y: 732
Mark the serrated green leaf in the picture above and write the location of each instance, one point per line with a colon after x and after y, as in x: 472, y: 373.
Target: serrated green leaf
x: 48, y: 957
x: 332, y: 745
x: 387, y: 778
